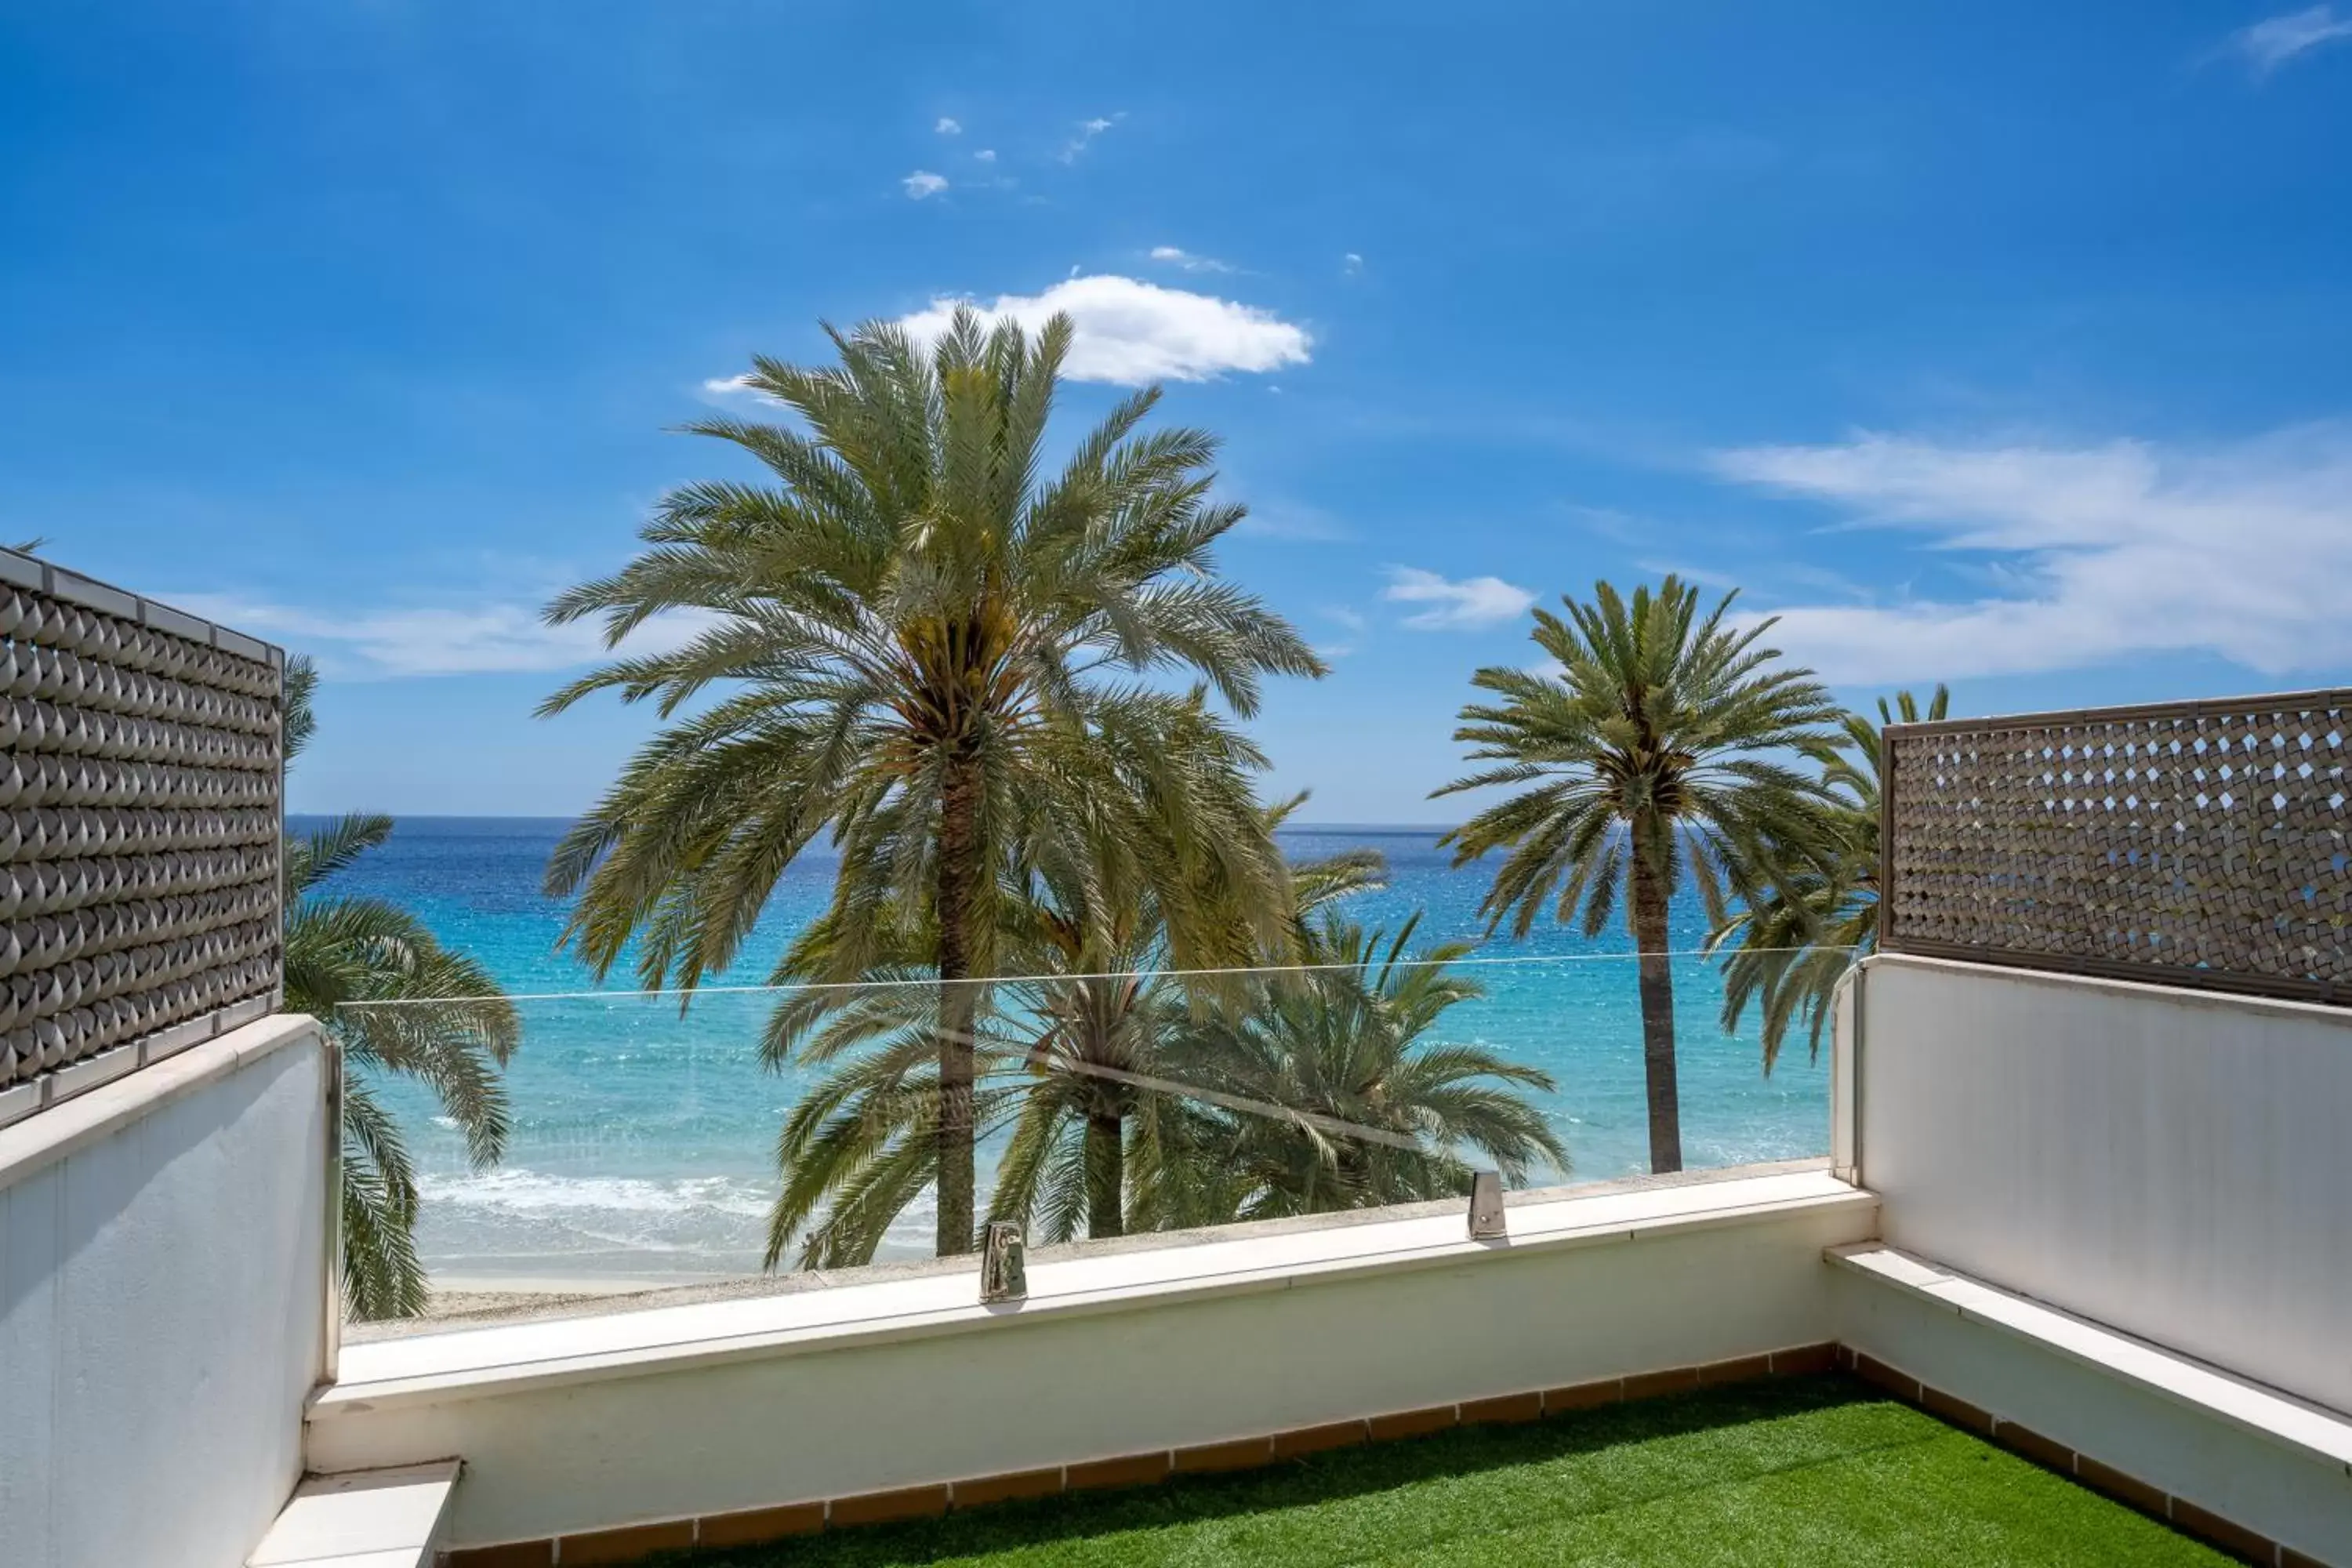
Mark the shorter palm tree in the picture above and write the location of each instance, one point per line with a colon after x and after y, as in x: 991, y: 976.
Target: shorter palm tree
x: 1799, y: 934
x: 1652, y: 748
x: 398, y: 1002
x: 1328, y: 1094
x: 1063, y: 1051
x: 1104, y: 1010
x: 862, y: 1144
x: 1167, y: 861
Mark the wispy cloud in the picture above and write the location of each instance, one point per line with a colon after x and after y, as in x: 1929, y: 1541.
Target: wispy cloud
x: 2097, y: 553
x: 1703, y: 577
x: 470, y: 638
x: 1350, y: 264
x: 1295, y: 522
x: 923, y: 183
x: 1087, y: 130
x: 1130, y: 331
x: 985, y: 155
x: 1173, y: 256
x: 949, y: 126
x: 1464, y: 605
x: 2271, y: 43
x: 1353, y: 623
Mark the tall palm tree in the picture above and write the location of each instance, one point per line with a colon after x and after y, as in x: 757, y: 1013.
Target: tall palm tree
x: 1799, y: 934
x: 1652, y: 751
x: 1326, y: 1094
x: 398, y: 1002
x: 917, y: 639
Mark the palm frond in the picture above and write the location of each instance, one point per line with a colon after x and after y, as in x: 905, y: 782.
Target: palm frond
x: 397, y: 1003
x: 1813, y: 916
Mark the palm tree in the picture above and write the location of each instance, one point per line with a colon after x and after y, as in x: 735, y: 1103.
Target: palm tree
x: 1650, y: 748
x: 1325, y: 1094
x: 858, y: 1148
x: 1201, y: 1099
x: 398, y: 1002
x: 1106, y: 1013
x: 1799, y: 935
x: 1064, y: 1053
x: 917, y: 639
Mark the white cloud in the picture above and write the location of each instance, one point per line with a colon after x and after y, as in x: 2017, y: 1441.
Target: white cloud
x: 923, y: 183
x: 2099, y: 553
x: 470, y: 639
x: 985, y: 155
x: 1353, y: 623
x: 948, y: 127
x: 1130, y: 331
x: 1465, y: 606
x: 1352, y: 264
x: 729, y: 391
x: 1087, y: 130
x: 2270, y: 44
x: 1172, y: 255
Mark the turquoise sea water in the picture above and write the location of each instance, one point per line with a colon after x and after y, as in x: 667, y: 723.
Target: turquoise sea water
x: 644, y: 1140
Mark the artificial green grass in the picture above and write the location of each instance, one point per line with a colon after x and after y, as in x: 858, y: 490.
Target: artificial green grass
x: 1811, y: 1471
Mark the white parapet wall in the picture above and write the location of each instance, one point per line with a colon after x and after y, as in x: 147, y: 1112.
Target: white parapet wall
x: 163, y: 1264
x: 2172, y: 1164
x: 632, y: 1417
x: 2170, y: 1435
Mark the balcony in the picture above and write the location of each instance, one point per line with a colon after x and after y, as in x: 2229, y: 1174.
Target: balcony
x: 2065, y: 1283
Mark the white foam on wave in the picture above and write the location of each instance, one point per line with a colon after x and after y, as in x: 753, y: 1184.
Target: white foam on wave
x: 515, y: 1218
x: 520, y: 1191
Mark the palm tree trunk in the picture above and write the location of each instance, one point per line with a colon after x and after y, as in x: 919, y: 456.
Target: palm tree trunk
x: 1106, y: 1175
x: 1657, y: 981
x: 957, y: 894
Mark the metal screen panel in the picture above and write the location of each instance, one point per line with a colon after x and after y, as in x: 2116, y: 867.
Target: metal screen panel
x: 2199, y: 844
x: 140, y: 766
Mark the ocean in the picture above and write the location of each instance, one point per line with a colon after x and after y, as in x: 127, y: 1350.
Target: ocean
x: 642, y: 1147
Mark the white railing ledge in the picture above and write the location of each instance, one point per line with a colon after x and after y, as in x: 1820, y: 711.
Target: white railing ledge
x: 362, y: 1519
x: 435, y: 1367
x: 2311, y: 1428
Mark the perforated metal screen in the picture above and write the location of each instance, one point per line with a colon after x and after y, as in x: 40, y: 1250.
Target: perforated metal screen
x: 141, y: 767
x: 2194, y: 843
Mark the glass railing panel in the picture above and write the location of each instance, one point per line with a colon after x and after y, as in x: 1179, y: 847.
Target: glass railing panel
x: 729, y: 1141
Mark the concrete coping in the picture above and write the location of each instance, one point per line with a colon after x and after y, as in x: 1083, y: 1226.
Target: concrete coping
x: 39, y: 1142
x: 426, y: 1368
x: 362, y: 1519
x: 2297, y: 1424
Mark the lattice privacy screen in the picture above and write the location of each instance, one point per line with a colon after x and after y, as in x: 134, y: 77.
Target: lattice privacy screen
x: 2196, y: 843
x: 140, y: 775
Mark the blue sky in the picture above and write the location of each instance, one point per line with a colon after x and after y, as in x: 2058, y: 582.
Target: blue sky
x: 2005, y: 343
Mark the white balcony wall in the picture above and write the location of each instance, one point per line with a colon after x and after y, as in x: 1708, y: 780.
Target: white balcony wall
x: 663, y: 1415
x: 2173, y: 1164
x: 162, y: 1264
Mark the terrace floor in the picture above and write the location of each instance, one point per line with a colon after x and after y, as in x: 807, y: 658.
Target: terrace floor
x: 1816, y: 1471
